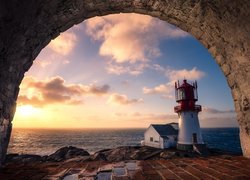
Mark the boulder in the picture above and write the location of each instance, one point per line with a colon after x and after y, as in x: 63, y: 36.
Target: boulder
x: 67, y: 152
x: 145, y: 152
x: 98, y: 156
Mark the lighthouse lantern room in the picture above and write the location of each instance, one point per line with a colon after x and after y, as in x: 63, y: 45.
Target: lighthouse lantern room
x: 189, y: 127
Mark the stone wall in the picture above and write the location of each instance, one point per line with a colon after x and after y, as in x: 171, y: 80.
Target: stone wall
x: 223, y: 27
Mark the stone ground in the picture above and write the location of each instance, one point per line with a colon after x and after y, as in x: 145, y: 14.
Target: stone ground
x: 215, y: 167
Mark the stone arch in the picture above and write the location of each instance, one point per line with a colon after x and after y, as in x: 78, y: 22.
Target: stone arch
x: 223, y: 27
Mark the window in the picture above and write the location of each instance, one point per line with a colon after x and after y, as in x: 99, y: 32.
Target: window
x: 151, y: 139
x: 182, y: 94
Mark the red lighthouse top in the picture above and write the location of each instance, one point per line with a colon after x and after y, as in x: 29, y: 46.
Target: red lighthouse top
x: 186, y: 95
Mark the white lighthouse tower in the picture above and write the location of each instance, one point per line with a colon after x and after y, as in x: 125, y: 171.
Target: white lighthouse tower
x: 189, y: 127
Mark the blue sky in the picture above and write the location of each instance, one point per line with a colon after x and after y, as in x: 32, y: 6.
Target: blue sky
x: 121, y: 69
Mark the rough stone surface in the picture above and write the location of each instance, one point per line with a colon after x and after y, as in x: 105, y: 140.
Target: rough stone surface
x: 223, y: 27
x: 122, y: 153
x: 216, y: 167
x: 67, y: 153
x: 167, y: 155
x: 126, y: 153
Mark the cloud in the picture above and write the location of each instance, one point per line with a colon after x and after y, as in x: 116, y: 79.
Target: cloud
x: 125, y: 83
x: 148, y: 117
x: 160, y: 89
x: 211, y: 117
x: 121, y: 114
x: 130, y: 38
x: 57, y: 52
x: 122, y: 99
x: 51, y: 59
x: 55, y: 90
x: 118, y: 69
x: 216, y: 111
x: 216, y: 122
x: 143, y: 119
x: 192, y: 74
x: 158, y: 68
x: 47, y: 99
x: 57, y: 55
x: 64, y: 43
x: 42, y: 63
x: 167, y: 90
x: 155, y: 118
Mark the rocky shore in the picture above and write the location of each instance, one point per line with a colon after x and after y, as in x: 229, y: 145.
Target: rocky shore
x: 123, y: 153
x: 126, y: 163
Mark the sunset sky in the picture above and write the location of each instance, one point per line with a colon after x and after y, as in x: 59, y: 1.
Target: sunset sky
x: 118, y: 71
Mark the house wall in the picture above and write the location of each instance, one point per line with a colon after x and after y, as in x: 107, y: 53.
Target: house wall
x: 162, y: 143
x: 157, y: 140
x: 171, y: 142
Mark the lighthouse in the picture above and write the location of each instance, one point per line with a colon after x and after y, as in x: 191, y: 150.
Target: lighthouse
x: 189, y: 127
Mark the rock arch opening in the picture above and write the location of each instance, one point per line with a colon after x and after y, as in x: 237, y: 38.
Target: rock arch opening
x: 221, y: 27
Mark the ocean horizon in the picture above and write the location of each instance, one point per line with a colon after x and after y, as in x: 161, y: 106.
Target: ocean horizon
x: 46, y: 141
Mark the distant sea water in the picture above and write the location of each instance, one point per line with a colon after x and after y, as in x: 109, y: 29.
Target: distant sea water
x: 47, y: 141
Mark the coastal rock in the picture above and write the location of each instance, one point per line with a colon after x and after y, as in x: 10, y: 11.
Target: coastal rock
x: 145, y: 152
x: 78, y: 159
x: 168, y: 154
x: 118, y: 154
x: 67, y: 152
x: 25, y: 158
x: 98, y: 156
x: 73, y: 154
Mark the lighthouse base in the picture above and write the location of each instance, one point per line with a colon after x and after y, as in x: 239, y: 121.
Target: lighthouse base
x: 192, y: 147
x: 185, y: 147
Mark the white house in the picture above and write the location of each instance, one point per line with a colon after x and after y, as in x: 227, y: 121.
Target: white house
x: 161, y: 135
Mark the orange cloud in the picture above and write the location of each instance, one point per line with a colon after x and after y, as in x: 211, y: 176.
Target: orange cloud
x: 55, y: 90
x: 160, y: 89
x: 166, y: 90
x: 50, y: 60
x: 64, y: 43
x: 192, y: 74
x: 57, y: 52
x: 130, y: 38
x: 47, y: 99
x: 122, y: 99
x: 156, y: 117
x: 122, y: 36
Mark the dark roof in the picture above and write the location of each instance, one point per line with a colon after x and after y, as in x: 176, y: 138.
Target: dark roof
x: 165, y: 129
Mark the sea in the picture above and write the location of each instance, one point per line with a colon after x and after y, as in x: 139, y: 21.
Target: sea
x: 47, y: 141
